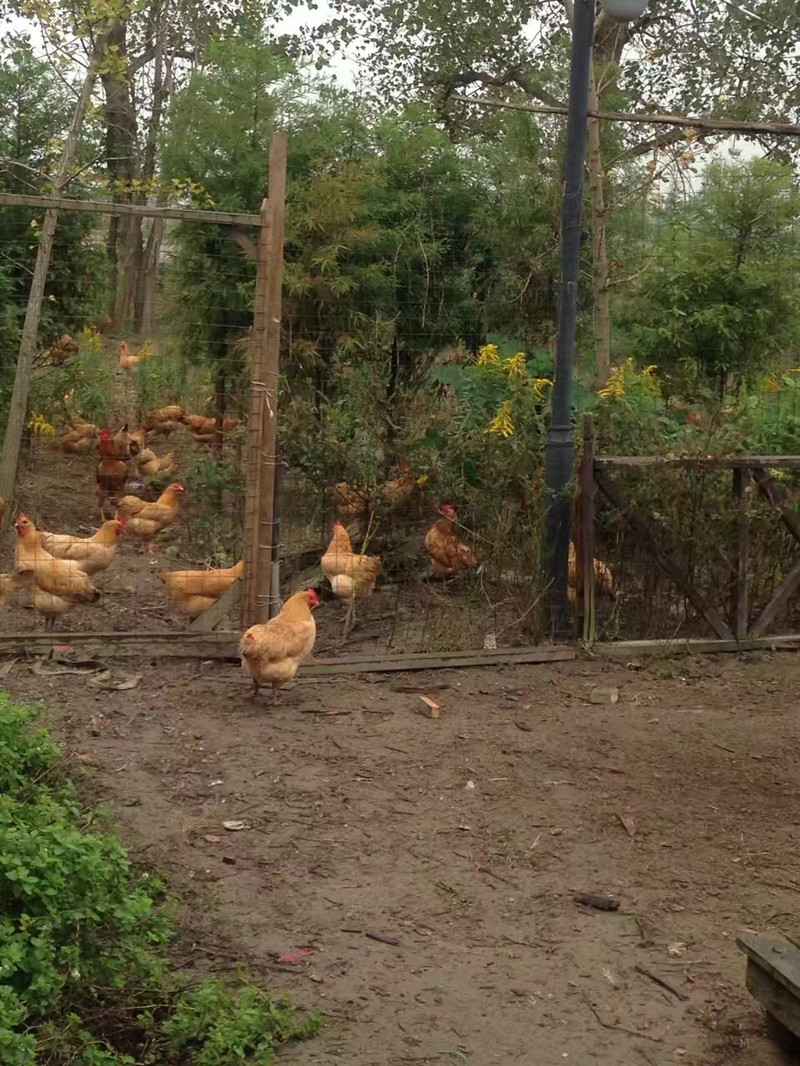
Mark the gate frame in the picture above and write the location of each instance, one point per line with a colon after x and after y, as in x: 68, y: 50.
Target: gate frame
x: 595, y: 470
x: 259, y: 588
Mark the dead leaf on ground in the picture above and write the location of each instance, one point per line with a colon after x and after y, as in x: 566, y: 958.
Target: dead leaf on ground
x: 129, y: 681
x: 235, y: 827
x: 628, y: 824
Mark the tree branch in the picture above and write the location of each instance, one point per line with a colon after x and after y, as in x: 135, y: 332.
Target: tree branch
x: 717, y: 125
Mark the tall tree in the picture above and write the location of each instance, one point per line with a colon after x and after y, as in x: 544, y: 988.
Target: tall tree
x: 713, y: 58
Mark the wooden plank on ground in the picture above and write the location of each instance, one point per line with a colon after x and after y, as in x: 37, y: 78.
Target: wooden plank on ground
x: 734, y: 462
x: 665, y: 561
x: 773, y: 976
x: 218, y: 612
x: 632, y: 649
x: 224, y: 645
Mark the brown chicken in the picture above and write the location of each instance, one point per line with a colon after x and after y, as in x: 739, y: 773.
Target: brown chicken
x: 43, y: 574
x: 149, y: 464
x: 46, y: 604
x: 199, y: 423
x: 92, y: 554
x: 80, y: 438
x: 193, y: 591
x: 350, y: 502
x: 127, y: 360
x: 447, y: 553
x: 141, y: 436
x: 351, y: 576
x: 64, y: 347
x: 165, y: 420
x: 398, y: 492
x: 116, y: 465
x: 272, y: 652
x: 603, y: 578
x: 147, y: 520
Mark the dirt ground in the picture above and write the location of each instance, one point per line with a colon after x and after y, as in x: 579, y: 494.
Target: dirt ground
x: 430, y: 865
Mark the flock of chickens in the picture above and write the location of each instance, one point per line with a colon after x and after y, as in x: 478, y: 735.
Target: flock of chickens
x: 56, y: 569
x: 272, y: 651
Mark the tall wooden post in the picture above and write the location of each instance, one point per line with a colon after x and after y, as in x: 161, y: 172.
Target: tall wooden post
x: 741, y: 478
x: 18, y: 407
x: 260, y: 534
x: 585, y: 538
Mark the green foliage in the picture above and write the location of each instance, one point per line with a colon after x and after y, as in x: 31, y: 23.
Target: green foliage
x: 83, y: 385
x: 725, y: 298
x: 216, y: 1026
x: 83, y: 974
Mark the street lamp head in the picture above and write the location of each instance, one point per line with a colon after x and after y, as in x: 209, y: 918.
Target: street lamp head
x: 625, y: 10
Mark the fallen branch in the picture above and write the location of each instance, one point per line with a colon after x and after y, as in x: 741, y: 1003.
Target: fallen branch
x: 664, y: 984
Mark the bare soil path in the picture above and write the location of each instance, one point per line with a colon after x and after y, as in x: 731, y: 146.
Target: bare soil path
x: 441, y: 915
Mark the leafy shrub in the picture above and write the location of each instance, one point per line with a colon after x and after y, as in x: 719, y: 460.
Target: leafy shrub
x: 84, y: 978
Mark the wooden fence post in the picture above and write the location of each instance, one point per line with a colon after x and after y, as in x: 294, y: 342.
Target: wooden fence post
x: 586, y: 520
x: 23, y: 375
x: 257, y: 602
x: 741, y: 479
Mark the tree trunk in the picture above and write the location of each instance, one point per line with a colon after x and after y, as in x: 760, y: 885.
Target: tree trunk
x: 27, y: 349
x: 601, y: 294
x: 146, y: 280
x: 125, y: 233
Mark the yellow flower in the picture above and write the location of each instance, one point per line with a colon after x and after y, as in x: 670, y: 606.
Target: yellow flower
x: 488, y: 356
x: 539, y: 385
x: 502, y: 423
x: 516, y: 366
x: 40, y: 426
x: 614, y: 389
x: 772, y: 384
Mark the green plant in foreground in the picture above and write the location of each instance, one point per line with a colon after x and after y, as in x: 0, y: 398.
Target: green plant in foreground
x: 84, y: 977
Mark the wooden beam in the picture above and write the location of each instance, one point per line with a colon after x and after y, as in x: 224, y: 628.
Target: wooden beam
x: 584, y: 539
x: 698, y: 122
x: 255, y: 427
x: 741, y: 478
x: 773, y: 975
x: 219, y: 611
x: 667, y: 564
x: 784, y: 592
x: 772, y: 493
x: 626, y: 650
x: 269, y: 336
x: 106, y: 207
x: 733, y: 462
x: 225, y: 646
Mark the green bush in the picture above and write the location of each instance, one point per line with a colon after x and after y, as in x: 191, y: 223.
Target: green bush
x: 84, y: 977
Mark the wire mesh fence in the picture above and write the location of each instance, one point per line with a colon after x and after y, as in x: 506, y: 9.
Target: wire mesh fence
x: 415, y: 373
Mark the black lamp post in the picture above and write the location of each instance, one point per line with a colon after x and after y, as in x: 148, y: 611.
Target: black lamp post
x: 559, y: 455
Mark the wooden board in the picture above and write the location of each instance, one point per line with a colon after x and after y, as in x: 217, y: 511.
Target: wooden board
x: 218, y: 612
x: 225, y: 645
x: 107, y: 207
x: 773, y: 975
x: 633, y: 649
x: 734, y: 462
